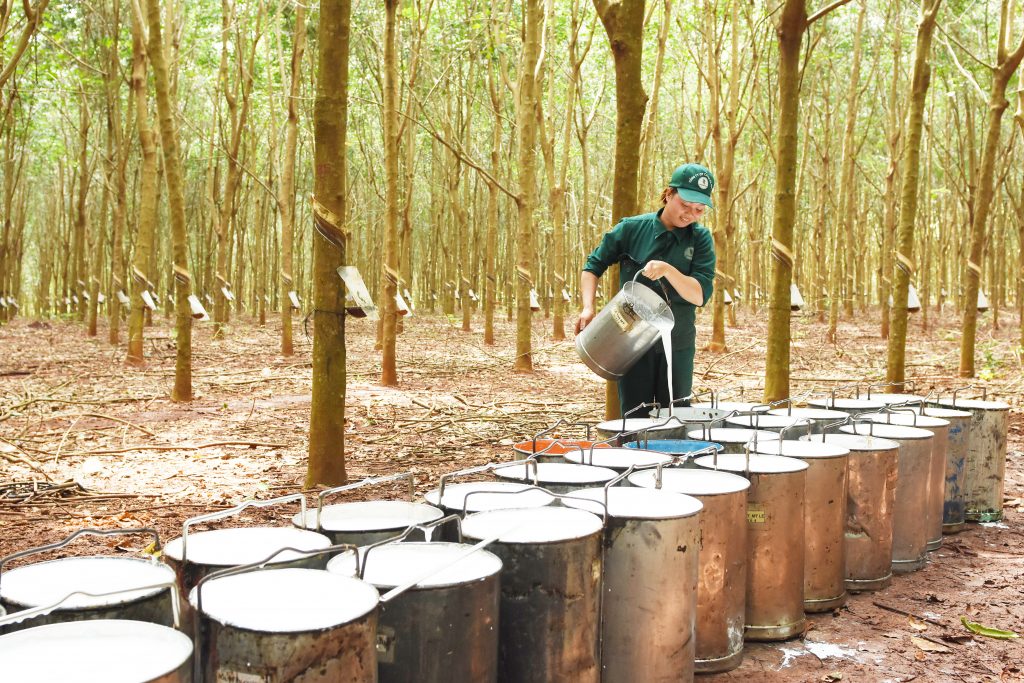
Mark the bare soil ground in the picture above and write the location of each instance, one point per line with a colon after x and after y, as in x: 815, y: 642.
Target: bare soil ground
x: 87, y: 442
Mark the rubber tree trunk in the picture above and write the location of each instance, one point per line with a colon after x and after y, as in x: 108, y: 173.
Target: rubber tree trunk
x: 624, y: 23
x: 1005, y: 67
x: 330, y: 128
x: 526, y: 200
x: 286, y: 202
x: 389, y: 312
x: 790, y: 29
x: 147, y: 197
x: 904, y: 254
x: 182, y: 390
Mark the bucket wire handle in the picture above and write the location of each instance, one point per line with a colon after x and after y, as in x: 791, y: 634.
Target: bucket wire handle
x: 428, y: 526
x: 43, y: 610
x: 238, y: 509
x: 829, y: 426
x: 359, y: 484
x: 959, y: 389
x: 560, y: 423
x: 197, y: 615
x: 81, y: 532
x: 480, y: 494
x: 800, y: 421
x: 862, y: 418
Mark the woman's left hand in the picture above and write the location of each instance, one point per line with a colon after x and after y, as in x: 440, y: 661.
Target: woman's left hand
x: 657, y: 269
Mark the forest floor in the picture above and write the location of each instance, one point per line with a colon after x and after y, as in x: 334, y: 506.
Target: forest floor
x: 107, y: 448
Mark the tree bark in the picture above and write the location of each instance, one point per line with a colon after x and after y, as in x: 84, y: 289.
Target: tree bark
x: 286, y: 200
x: 330, y: 128
x: 182, y: 390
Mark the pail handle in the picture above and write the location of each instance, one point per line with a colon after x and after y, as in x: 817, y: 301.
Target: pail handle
x: 81, y: 532
x: 231, y: 512
x: 359, y: 484
x: 43, y: 610
x: 796, y: 423
x: 197, y: 631
x: 479, y: 469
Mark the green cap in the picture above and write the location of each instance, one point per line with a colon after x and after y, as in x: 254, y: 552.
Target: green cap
x: 694, y: 183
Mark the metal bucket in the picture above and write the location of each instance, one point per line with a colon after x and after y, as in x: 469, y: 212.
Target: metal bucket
x: 480, y: 496
x: 910, y: 512
x: 97, y: 650
x: 822, y: 420
x: 682, y: 450
x: 555, y: 449
x: 620, y: 459
x: 770, y: 423
x: 733, y: 439
x: 939, y: 427
x: 629, y: 428
x: 442, y: 627
x: 109, y: 579
x: 722, y: 570
x: 557, y: 477
x: 897, y: 399
x: 824, y: 519
x: 286, y: 625
x: 851, y: 406
x: 775, y: 542
x: 985, y: 469
x: 550, y: 591
x: 367, y: 522
x: 871, y: 498
x: 651, y: 542
x: 953, y: 505
x: 194, y: 555
x: 623, y: 331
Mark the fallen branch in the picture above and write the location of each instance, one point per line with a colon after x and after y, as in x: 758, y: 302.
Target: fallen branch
x: 181, y: 447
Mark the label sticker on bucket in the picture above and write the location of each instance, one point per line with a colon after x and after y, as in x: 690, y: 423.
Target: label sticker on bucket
x: 756, y: 514
x: 625, y: 317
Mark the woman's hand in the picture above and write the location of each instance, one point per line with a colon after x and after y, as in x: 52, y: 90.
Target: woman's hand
x: 657, y: 269
x: 586, y: 315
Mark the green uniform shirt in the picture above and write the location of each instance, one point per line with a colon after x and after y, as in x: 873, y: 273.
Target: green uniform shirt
x: 639, y: 239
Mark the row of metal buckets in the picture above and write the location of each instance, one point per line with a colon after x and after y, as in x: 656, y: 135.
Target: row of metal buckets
x: 560, y: 575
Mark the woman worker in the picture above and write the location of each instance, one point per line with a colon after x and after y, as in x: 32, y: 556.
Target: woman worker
x: 672, y: 245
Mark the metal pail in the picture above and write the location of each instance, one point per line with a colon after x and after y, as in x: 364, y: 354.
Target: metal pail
x: 654, y: 428
x: 286, y: 625
x: 443, y: 627
x: 557, y: 477
x: 480, y: 496
x: 939, y: 427
x: 722, y: 568
x: 97, y: 650
x: 953, y: 507
x: 619, y: 459
x: 651, y: 545
x: 871, y: 498
x: 771, y: 423
x: 104, y: 587
x: 733, y: 439
x: 910, y: 513
x: 554, y: 449
x: 367, y: 522
x: 775, y: 542
x: 550, y: 591
x: 851, y: 406
x: 824, y: 518
x: 624, y: 330
x: 822, y: 419
x: 678, y: 448
x: 985, y: 469
x: 45, y: 583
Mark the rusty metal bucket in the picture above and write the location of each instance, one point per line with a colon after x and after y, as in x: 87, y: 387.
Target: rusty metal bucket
x: 775, y: 542
x: 910, y: 513
x: 722, y: 571
x: 953, y: 505
x: 939, y: 427
x: 550, y: 591
x: 872, y: 467
x: 824, y: 519
x: 654, y: 535
x: 985, y: 469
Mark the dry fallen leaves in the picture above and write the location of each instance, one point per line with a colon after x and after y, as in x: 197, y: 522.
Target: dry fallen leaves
x: 929, y: 646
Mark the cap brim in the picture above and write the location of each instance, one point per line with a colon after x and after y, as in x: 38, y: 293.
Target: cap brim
x: 695, y: 197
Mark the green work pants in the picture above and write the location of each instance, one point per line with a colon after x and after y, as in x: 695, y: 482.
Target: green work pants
x: 647, y: 381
